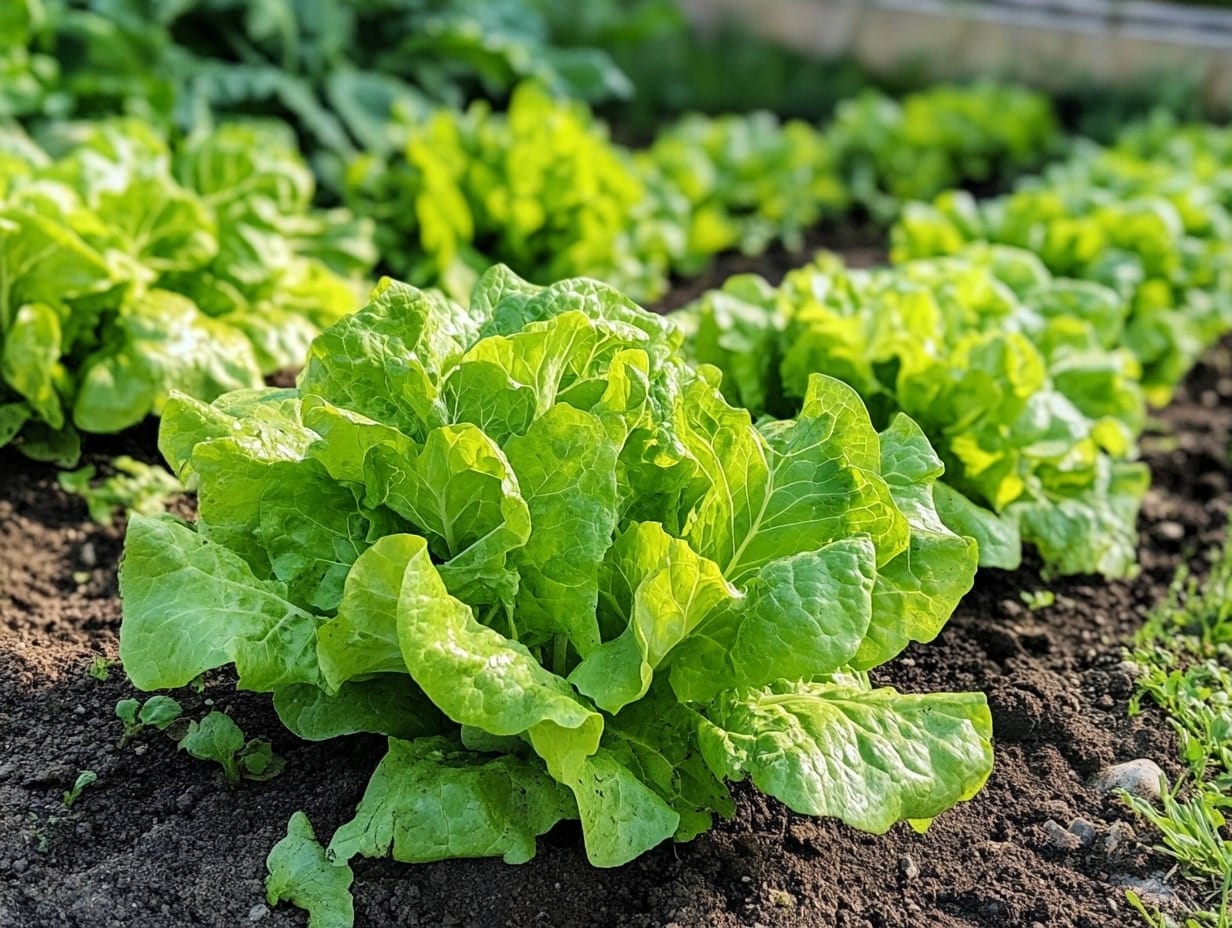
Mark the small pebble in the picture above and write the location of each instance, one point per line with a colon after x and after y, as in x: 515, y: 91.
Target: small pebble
x: 1057, y: 837
x: 1119, y: 834
x: 19, y: 865
x: 89, y: 557
x: 258, y: 912
x: 1105, y: 702
x: 746, y: 879
x: 1083, y: 830
x: 79, y: 710
x: 1140, y: 777
x: 185, y: 801
x: 1170, y: 531
x: 907, y: 867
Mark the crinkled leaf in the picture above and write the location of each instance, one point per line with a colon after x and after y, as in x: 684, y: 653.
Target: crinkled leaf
x: 302, y: 874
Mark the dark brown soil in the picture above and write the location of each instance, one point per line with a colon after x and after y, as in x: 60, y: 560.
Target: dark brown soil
x: 160, y: 842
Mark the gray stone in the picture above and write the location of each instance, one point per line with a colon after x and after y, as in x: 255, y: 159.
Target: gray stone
x: 1083, y: 830
x: 1059, y: 838
x: 1141, y: 777
x: 258, y: 912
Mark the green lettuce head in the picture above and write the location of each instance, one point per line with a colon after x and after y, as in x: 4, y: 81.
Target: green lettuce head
x: 543, y: 555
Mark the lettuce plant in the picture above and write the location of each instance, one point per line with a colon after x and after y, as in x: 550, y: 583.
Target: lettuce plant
x: 746, y: 182
x: 539, y: 187
x: 129, y: 269
x: 545, y: 557
x: 1013, y: 375
x: 890, y: 152
x: 1158, y: 232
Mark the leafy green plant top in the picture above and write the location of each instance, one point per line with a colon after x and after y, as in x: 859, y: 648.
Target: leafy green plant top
x: 543, y: 555
x: 129, y: 269
x: 539, y: 187
x: 216, y: 737
x: 739, y: 183
x: 133, y: 486
x: 1013, y: 374
x: 84, y: 779
x: 156, y: 712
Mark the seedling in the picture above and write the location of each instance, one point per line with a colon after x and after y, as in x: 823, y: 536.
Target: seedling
x: 216, y: 737
x: 158, y: 712
x: 1038, y: 599
x: 100, y: 667
x: 84, y: 779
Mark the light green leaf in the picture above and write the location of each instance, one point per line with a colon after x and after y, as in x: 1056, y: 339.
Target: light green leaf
x: 997, y: 536
x: 566, y: 469
x: 191, y: 606
x: 658, y: 590
x: 383, y: 361
x: 302, y: 874
x: 868, y: 757
x: 477, y: 676
x: 30, y: 361
x: 791, y: 487
x: 363, y: 638
x: 429, y: 800
x: 385, y: 704
x: 917, y: 591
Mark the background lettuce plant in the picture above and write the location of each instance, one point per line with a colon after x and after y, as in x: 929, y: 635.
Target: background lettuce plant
x: 539, y: 187
x: 543, y: 555
x: 1014, y: 375
x: 1158, y: 232
x: 894, y: 151
x: 743, y: 183
x: 129, y: 268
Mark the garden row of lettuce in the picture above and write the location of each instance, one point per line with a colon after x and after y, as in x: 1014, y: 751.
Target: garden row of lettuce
x: 539, y: 551
x: 134, y: 266
x: 1150, y: 217
x: 1032, y: 387
x: 543, y: 189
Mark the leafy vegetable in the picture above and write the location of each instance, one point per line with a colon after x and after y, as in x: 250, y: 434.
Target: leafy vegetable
x: 543, y: 555
x: 216, y: 737
x: 891, y: 152
x: 156, y: 712
x: 745, y: 182
x: 133, y: 487
x: 1158, y: 232
x: 1013, y: 374
x: 539, y: 187
x: 130, y: 269
x: 84, y: 779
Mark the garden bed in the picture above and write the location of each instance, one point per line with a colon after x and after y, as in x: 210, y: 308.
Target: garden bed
x: 159, y: 840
